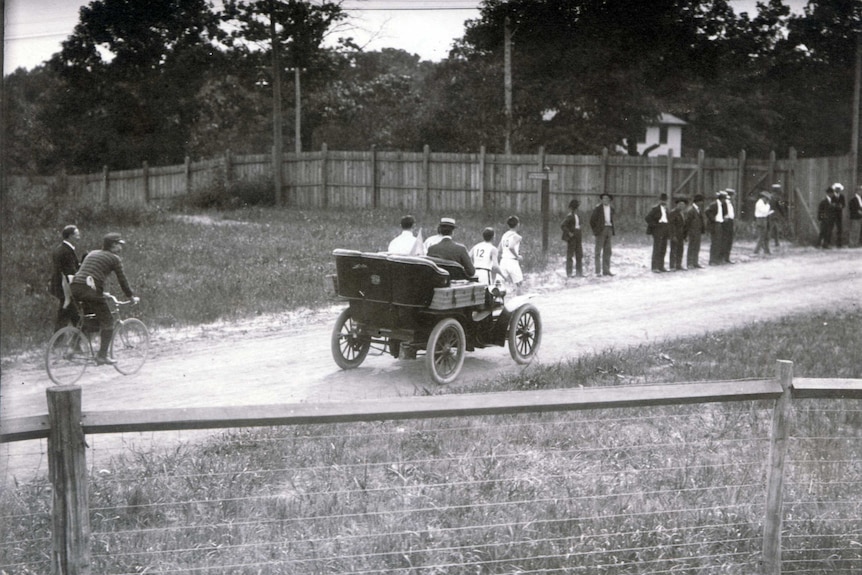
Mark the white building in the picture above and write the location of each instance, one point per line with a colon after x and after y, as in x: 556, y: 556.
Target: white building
x: 662, y: 136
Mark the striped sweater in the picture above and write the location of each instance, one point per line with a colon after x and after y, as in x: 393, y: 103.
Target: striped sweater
x: 99, y: 264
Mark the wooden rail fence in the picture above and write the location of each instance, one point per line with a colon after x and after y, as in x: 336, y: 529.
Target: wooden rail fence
x: 426, y: 181
x: 66, y: 426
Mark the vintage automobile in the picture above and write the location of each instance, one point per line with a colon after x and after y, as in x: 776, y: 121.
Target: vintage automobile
x: 413, y: 305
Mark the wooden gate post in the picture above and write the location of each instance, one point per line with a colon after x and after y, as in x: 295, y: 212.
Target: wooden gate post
x: 67, y: 469
x: 324, y: 174
x: 426, y: 169
x: 775, y: 479
x: 106, y: 195
x: 146, y: 172
x: 375, y: 190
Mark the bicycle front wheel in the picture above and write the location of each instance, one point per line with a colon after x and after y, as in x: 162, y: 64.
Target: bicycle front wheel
x: 130, y: 346
x: 67, y: 355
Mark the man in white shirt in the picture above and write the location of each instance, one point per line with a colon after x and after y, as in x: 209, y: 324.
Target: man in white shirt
x: 762, y: 211
x: 510, y: 252
x: 406, y: 244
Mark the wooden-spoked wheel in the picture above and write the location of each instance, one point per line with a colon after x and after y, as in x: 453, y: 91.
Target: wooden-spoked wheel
x: 349, y: 349
x: 444, y: 353
x: 525, y: 334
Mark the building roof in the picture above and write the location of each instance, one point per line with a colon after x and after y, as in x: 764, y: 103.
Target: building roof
x: 670, y: 119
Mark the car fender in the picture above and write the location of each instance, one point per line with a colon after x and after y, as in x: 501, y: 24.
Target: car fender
x: 501, y: 328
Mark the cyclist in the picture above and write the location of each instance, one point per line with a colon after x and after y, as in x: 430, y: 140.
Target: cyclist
x: 88, y: 287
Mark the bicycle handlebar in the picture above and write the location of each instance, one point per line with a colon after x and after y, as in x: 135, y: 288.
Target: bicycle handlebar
x: 113, y: 298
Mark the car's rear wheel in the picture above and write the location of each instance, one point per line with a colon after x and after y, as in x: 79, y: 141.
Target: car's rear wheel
x: 349, y: 349
x: 445, y: 351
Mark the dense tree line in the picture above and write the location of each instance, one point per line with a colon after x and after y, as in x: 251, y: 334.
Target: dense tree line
x: 160, y: 80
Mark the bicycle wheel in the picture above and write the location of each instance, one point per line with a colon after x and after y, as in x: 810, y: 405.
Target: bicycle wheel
x: 130, y: 346
x: 67, y: 355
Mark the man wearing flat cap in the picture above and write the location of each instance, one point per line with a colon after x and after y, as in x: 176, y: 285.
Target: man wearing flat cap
x: 449, y: 249
x: 657, y: 227
x: 88, y: 285
x: 602, y: 224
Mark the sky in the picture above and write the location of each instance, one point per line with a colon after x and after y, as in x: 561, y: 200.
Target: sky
x: 35, y: 28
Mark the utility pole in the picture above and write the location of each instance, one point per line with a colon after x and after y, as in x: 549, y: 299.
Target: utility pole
x: 507, y: 82
x: 277, y: 143
x: 854, y: 144
x: 298, y: 111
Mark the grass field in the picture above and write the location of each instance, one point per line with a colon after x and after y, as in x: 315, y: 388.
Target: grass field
x: 199, y: 267
x: 615, y: 491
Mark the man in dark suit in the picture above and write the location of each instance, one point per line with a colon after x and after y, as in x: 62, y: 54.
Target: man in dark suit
x: 826, y: 216
x: 449, y: 249
x: 64, y: 264
x: 695, y: 224
x: 657, y: 227
x: 602, y: 224
x: 838, y: 205
x: 715, y: 213
x: 856, y: 218
x: 677, y: 232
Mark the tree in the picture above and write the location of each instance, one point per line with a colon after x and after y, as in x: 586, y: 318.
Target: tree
x: 131, y: 73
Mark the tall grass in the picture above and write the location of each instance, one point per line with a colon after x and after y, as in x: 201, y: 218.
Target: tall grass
x: 676, y: 489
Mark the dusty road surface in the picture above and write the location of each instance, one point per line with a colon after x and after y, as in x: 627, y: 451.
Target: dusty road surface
x: 287, y: 359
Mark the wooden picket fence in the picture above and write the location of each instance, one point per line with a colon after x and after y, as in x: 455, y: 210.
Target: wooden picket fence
x: 436, y: 181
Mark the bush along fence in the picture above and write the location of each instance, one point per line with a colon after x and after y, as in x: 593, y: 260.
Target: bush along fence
x: 802, y: 478
x: 434, y: 181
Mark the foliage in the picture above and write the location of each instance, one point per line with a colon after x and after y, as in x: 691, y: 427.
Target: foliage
x: 130, y: 74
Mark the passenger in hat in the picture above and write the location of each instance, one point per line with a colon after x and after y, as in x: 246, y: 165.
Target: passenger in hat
x: 677, y: 232
x: 406, y: 243
x: 572, y: 235
x: 838, y: 205
x: 762, y: 211
x: 510, y: 253
x: 657, y: 227
x: 449, y: 249
x: 602, y: 224
x: 695, y: 224
x: 88, y: 285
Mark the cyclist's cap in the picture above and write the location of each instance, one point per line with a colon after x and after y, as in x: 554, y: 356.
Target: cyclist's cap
x: 111, y: 239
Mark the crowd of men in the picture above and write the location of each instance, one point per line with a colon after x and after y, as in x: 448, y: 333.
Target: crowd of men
x: 830, y: 216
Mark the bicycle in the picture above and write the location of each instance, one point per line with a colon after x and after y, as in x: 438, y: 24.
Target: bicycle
x: 70, y: 349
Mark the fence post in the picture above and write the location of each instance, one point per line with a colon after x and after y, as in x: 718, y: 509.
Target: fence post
x: 700, y: 159
x: 375, y: 191
x: 668, y: 187
x: 67, y: 469
x: 187, y: 171
x: 228, y: 167
x: 426, y: 166
x: 775, y: 479
x: 790, y: 194
x: 106, y: 197
x: 146, y: 168
x: 603, y: 172
x: 324, y: 171
x: 486, y: 201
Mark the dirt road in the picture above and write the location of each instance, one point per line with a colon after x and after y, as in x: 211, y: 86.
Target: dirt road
x: 287, y: 359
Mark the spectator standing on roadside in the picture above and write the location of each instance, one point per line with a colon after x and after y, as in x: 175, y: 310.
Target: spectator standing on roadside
x: 826, y: 217
x: 838, y: 204
x: 762, y: 212
x: 602, y: 224
x: 715, y: 213
x: 855, y: 206
x: 449, y: 249
x: 484, y: 256
x: 677, y: 232
x: 64, y: 265
x: 695, y: 225
x: 657, y: 227
x: 88, y: 286
x: 571, y: 227
x: 510, y: 252
x: 728, y: 232
x: 406, y: 244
